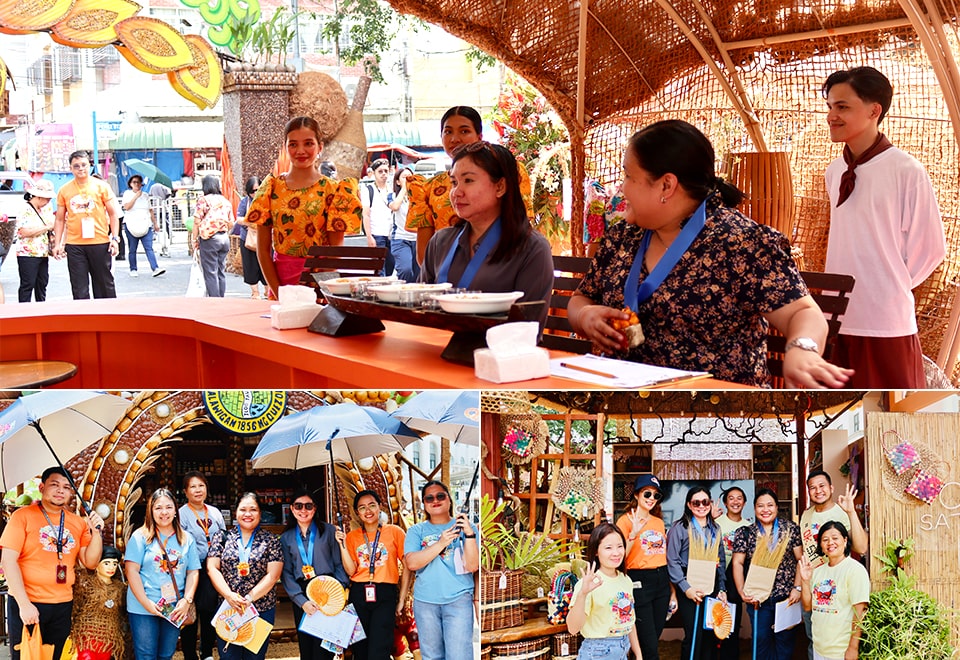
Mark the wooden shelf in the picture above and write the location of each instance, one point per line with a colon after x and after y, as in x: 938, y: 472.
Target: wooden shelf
x: 773, y: 469
x: 536, y: 627
x: 630, y: 460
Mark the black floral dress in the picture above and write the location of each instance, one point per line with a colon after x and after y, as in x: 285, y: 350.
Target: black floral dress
x: 264, y: 549
x: 707, y: 315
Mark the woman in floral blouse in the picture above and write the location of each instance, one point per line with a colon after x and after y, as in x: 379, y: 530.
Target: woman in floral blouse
x: 705, y: 304
x: 212, y: 222
x: 430, y: 209
x: 244, y: 565
x: 34, y: 224
x: 773, y: 531
x: 302, y: 207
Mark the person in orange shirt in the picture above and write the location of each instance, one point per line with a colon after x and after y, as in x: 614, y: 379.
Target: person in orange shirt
x: 41, y: 546
x: 371, y: 556
x: 646, y: 537
x: 87, y: 230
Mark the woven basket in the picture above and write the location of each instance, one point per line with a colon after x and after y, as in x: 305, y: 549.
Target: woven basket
x: 485, y: 653
x: 504, y: 401
x: 490, y: 586
x: 494, y: 616
x: 572, y: 642
x: 537, y: 648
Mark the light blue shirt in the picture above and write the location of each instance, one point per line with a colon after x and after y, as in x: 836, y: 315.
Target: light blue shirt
x: 192, y: 525
x: 438, y: 582
x: 152, y: 574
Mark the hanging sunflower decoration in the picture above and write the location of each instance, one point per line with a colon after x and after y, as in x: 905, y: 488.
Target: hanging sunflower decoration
x: 578, y: 492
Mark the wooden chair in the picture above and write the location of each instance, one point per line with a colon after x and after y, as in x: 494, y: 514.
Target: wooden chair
x: 558, y: 335
x: 831, y: 291
x: 348, y: 260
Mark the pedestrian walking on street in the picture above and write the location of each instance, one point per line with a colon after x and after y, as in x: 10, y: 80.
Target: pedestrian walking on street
x: 87, y: 230
x: 212, y: 223
x: 140, y: 224
x: 35, y: 222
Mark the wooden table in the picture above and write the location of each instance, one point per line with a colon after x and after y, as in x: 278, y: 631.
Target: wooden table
x: 183, y: 343
x: 28, y: 374
x: 536, y: 627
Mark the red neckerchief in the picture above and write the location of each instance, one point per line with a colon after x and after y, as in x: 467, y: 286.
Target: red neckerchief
x: 849, y: 178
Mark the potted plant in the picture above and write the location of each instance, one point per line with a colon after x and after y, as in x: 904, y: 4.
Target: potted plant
x: 901, y: 621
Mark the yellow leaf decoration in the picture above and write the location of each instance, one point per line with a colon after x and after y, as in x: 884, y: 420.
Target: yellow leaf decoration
x: 22, y: 16
x: 200, y: 83
x: 92, y: 23
x: 152, y: 46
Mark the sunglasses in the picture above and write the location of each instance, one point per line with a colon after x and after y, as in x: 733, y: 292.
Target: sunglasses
x: 303, y: 506
x: 699, y: 502
x: 652, y: 494
x: 439, y: 497
x: 472, y: 148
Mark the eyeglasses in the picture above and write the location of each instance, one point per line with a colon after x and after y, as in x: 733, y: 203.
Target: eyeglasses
x: 303, y: 506
x: 648, y: 494
x: 699, y: 502
x: 367, y: 507
x: 472, y: 148
x: 439, y: 497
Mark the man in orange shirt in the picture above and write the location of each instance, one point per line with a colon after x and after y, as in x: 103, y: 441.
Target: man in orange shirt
x: 87, y: 230
x: 41, y: 545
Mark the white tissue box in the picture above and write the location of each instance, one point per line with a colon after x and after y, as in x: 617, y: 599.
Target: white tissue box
x: 288, y: 317
x: 511, y: 368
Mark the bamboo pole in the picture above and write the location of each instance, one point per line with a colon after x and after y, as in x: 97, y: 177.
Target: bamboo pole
x: 749, y: 120
x: 817, y: 34
x: 755, y: 129
x: 582, y: 64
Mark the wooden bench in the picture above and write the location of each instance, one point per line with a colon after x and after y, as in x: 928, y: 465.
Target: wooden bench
x: 347, y: 260
x: 558, y: 335
x: 831, y: 291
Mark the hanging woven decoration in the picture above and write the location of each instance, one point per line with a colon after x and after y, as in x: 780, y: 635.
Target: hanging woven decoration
x: 504, y: 401
x: 524, y: 437
x: 578, y: 492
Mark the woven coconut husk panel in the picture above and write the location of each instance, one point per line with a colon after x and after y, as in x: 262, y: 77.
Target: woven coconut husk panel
x: 646, y: 60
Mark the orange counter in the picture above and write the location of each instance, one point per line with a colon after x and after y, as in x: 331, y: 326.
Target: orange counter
x: 184, y: 343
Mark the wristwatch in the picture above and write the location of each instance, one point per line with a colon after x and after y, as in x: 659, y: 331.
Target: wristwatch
x: 469, y: 536
x: 798, y: 588
x: 805, y: 344
x: 188, y: 599
x: 115, y: 239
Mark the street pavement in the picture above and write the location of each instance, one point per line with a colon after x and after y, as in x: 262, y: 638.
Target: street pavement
x: 172, y: 283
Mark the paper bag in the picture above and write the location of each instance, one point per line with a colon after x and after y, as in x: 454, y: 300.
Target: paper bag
x: 32, y: 646
x: 702, y: 574
x: 759, y: 582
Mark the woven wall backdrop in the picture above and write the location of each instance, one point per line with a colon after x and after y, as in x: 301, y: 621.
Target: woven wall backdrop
x: 749, y: 75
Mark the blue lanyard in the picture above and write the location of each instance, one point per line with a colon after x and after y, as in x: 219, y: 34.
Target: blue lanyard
x: 490, y: 239
x: 59, y: 529
x: 633, y: 294
x: 373, y: 550
x: 306, y: 554
x: 703, y: 532
x: 243, y: 551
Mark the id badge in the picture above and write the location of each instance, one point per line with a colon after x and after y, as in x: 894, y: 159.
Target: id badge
x: 168, y: 592
x: 309, y: 573
x: 88, y: 228
x: 458, y: 562
x: 371, y: 592
x: 243, y: 569
x: 61, y: 574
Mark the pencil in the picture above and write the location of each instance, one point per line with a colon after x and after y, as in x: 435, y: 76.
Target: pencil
x: 575, y: 367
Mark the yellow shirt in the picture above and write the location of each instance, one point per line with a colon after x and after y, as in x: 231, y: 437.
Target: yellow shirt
x: 301, y: 217
x: 609, y: 607
x: 429, y: 200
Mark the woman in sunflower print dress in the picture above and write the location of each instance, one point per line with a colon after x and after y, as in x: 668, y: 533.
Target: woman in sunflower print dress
x: 429, y: 198
x: 301, y: 207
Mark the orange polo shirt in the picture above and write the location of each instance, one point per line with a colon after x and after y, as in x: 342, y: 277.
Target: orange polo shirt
x: 389, y: 553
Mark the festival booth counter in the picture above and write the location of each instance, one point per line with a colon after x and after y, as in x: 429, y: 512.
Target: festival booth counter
x: 229, y: 343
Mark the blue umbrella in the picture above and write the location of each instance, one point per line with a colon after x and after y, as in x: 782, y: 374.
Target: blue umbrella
x: 325, y: 435
x: 148, y: 171
x: 331, y: 434
x: 65, y: 421
x: 451, y: 414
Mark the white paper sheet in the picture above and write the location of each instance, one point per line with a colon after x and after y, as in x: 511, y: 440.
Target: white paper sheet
x: 235, y: 620
x: 786, y: 615
x: 618, y: 373
x: 339, y: 629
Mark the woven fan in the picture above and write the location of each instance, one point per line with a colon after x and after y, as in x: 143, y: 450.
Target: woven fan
x: 578, y: 492
x: 524, y: 437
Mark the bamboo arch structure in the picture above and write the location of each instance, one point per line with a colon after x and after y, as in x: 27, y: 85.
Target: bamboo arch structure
x: 748, y: 73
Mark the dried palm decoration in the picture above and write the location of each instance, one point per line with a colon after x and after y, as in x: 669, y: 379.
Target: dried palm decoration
x: 766, y: 560
x: 702, y: 560
x: 578, y: 492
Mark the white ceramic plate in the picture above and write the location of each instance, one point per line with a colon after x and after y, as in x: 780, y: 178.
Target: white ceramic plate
x: 391, y: 292
x: 340, y: 286
x: 478, y: 303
